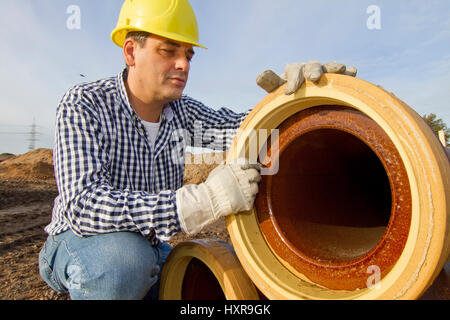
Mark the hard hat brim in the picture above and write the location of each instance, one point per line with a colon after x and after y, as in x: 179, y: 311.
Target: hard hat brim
x: 119, y: 35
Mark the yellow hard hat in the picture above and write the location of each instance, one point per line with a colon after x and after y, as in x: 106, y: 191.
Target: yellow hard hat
x: 171, y: 19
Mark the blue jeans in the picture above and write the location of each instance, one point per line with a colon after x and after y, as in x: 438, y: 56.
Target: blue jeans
x: 113, y: 266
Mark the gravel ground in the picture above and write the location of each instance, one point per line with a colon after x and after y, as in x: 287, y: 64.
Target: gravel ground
x: 25, y: 209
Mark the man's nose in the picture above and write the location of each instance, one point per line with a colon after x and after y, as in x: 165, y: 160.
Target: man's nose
x: 182, y: 64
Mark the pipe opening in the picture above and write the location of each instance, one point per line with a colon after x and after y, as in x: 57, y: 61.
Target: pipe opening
x: 200, y: 283
x: 340, y: 201
x: 331, y: 197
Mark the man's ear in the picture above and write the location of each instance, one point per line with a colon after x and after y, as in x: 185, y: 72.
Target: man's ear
x: 129, y: 51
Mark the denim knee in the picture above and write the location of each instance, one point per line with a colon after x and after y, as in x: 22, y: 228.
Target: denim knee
x: 121, y: 265
x: 125, y: 266
x: 126, y: 276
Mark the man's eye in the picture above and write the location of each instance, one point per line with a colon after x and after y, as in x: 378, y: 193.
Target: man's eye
x: 168, y: 51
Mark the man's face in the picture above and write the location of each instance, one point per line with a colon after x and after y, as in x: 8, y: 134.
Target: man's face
x: 161, y: 68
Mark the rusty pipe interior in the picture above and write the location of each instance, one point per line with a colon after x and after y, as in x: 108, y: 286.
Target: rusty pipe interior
x: 340, y: 200
x: 331, y: 196
x: 200, y: 283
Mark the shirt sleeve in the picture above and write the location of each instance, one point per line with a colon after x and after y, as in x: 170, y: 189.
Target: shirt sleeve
x: 91, y: 204
x: 209, y: 128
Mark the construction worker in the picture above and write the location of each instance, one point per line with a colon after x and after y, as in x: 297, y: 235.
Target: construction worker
x: 119, y: 167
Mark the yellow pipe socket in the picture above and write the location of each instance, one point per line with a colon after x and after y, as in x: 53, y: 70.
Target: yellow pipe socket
x: 205, y: 270
x: 356, y: 205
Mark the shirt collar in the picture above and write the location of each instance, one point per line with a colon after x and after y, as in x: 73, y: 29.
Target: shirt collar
x: 167, y: 112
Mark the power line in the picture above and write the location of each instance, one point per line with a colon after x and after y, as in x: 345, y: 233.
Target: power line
x: 17, y: 125
x: 14, y: 132
x: 33, y: 134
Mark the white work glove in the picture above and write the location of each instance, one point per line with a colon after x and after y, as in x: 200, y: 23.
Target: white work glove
x: 229, y: 188
x: 295, y: 74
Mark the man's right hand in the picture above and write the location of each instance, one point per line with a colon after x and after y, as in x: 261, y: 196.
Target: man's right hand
x: 229, y: 188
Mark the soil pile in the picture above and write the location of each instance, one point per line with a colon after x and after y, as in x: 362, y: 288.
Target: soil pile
x: 5, y: 156
x: 198, y: 166
x: 34, y: 166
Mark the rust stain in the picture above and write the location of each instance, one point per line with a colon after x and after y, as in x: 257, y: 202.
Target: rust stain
x: 341, y: 201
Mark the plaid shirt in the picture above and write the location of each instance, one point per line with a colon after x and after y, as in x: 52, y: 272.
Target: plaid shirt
x: 109, y: 178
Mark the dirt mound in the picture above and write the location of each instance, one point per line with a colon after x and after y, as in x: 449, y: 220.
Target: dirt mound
x: 34, y: 166
x: 198, y: 166
x: 6, y: 156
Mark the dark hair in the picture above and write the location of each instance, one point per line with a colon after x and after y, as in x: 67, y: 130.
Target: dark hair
x: 139, y: 36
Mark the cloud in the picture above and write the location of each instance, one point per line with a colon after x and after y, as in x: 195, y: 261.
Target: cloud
x: 443, y: 35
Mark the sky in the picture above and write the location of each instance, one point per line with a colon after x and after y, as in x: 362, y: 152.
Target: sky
x: 47, y: 45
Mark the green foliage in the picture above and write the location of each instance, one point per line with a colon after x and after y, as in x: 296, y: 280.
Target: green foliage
x: 437, y: 125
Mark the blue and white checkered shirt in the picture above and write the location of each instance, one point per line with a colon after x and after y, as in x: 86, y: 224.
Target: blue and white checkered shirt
x: 109, y: 178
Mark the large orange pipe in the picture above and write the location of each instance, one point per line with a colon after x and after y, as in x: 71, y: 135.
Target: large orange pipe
x: 360, y: 197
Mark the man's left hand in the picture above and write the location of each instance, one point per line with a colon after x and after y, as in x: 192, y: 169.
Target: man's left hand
x: 296, y: 73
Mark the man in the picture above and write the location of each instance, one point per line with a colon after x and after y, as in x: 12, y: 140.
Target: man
x: 116, y: 166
